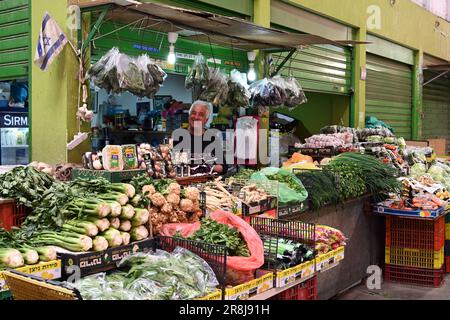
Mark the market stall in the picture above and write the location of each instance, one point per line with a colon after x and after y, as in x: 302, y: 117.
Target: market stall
x: 137, y: 220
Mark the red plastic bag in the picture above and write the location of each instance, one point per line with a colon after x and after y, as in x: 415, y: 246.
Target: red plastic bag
x: 239, y: 269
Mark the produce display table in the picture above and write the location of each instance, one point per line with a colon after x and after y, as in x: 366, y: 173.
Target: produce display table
x: 364, y: 248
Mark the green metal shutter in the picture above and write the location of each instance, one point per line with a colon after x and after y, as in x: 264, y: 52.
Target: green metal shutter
x: 389, y: 93
x: 14, y: 39
x: 436, y: 109
x: 131, y: 42
x: 320, y: 68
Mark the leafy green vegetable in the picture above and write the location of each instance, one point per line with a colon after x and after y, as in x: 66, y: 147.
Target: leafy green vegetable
x: 321, y: 187
x: 213, y: 232
x: 25, y: 184
x: 180, y: 275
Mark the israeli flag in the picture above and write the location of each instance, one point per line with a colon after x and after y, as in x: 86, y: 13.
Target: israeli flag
x: 51, y: 42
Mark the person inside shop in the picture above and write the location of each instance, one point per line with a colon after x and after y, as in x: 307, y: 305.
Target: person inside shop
x: 200, y: 114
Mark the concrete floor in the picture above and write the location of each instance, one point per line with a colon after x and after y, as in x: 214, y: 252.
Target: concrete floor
x: 397, y: 291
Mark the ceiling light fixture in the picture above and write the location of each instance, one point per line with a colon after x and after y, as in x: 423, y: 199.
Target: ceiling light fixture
x: 251, y: 76
x: 173, y: 37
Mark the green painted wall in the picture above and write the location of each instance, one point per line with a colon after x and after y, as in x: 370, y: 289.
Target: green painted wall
x: 54, y: 94
x: 404, y: 22
x: 321, y: 110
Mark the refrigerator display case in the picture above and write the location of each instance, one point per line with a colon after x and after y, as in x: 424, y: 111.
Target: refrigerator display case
x: 14, y: 138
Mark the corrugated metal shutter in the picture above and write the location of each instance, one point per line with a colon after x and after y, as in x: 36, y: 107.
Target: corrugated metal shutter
x: 436, y: 109
x: 389, y: 93
x: 320, y: 68
x: 14, y: 39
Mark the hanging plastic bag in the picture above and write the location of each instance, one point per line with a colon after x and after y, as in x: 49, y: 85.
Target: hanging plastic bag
x: 294, y: 93
x: 129, y: 75
x: 238, y: 94
x: 217, y: 88
x: 239, y: 269
x: 268, y: 92
x: 198, y: 76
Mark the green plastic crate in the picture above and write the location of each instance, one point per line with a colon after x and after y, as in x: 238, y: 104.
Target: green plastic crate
x: 112, y: 176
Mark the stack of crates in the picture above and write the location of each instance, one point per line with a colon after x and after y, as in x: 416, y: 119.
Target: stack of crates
x: 415, y: 251
x: 447, y: 243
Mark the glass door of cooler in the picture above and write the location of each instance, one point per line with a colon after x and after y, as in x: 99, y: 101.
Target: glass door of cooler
x: 14, y: 146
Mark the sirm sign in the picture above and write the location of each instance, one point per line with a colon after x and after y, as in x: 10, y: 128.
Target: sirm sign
x: 14, y: 120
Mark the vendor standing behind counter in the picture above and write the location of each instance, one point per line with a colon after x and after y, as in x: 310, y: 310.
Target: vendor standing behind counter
x: 198, y: 142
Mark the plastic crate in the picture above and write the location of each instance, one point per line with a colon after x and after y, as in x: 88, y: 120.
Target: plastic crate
x: 304, y: 291
x: 10, y: 214
x: 271, y: 230
x: 447, y: 264
x: 415, y: 258
x: 414, y: 276
x: 447, y: 230
x: 415, y: 233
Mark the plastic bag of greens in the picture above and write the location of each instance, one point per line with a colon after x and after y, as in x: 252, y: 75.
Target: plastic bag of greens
x: 268, y: 92
x: 295, y: 95
x: 104, y: 72
x: 198, y: 76
x: 238, y: 94
x: 217, y: 88
x: 290, y: 188
x: 129, y: 75
x: 142, y: 61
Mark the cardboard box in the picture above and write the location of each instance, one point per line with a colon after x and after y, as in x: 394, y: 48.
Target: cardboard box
x: 439, y: 146
x: 217, y: 295
x: 302, y: 271
x: 329, y: 260
x: 251, y: 288
x: 47, y: 270
x: 95, y: 262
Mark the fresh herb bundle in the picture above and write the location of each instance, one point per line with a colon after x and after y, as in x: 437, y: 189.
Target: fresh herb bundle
x: 380, y: 179
x: 321, y: 187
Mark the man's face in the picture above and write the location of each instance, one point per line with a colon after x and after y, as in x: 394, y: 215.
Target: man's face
x: 198, y: 118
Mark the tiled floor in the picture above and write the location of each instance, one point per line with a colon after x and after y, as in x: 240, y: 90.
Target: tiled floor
x: 396, y: 291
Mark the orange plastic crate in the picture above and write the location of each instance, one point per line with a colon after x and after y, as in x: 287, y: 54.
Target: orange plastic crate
x: 11, y: 215
x: 304, y: 291
x: 415, y: 233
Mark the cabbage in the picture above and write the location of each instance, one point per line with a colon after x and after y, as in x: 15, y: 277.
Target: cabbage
x: 418, y: 170
x: 437, y: 171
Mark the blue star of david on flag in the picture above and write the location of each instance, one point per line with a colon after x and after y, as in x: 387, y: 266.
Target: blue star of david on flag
x: 50, y: 44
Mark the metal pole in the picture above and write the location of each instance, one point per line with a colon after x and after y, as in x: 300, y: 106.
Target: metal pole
x: 437, y: 77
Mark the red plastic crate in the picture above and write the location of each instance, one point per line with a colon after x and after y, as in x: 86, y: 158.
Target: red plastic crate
x: 415, y: 233
x: 414, y: 276
x: 447, y: 264
x: 304, y: 291
x: 11, y: 215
